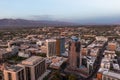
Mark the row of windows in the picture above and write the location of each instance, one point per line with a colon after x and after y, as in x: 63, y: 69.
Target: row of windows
x: 39, y: 69
x: 9, y: 76
x: 51, y: 49
x: 28, y: 73
x: 21, y: 75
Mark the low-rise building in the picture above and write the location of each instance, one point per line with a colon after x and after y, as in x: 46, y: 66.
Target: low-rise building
x: 35, y: 67
x: 101, y: 38
x: 109, y: 54
x: 94, y: 52
x: 24, y: 54
x: 104, y: 74
x: 57, y: 62
x: 4, y: 54
x: 112, y: 46
x: 14, y: 73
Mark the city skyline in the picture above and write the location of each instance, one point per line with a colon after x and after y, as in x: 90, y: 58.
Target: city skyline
x: 82, y: 11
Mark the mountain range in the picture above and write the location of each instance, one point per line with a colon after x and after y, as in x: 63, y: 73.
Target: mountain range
x: 31, y: 23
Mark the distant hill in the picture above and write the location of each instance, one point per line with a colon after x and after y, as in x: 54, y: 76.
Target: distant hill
x: 4, y: 23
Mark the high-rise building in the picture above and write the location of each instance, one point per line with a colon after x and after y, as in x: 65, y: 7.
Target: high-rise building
x: 60, y: 46
x: 51, y: 47
x: 34, y: 67
x: 74, y: 53
x: 14, y: 73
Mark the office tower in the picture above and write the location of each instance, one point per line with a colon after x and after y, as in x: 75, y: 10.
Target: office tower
x: 34, y: 67
x: 74, y: 53
x: 51, y: 47
x: 60, y: 46
x: 14, y: 73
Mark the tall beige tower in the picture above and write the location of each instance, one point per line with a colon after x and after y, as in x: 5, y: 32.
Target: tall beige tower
x: 74, y: 53
x: 51, y: 47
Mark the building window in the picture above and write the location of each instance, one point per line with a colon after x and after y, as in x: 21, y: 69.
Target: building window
x: 21, y: 75
x: 9, y: 76
x: 28, y: 73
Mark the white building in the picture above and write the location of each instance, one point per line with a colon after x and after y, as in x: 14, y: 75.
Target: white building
x: 90, y: 62
x: 109, y: 75
x: 105, y: 64
x: 40, y: 43
x: 24, y: 54
x: 109, y: 54
x: 101, y: 38
x: 105, y: 74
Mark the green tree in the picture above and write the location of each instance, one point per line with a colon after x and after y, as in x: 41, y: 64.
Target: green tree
x: 72, y: 77
x: 56, y: 76
x: 41, y: 54
x: 118, y: 53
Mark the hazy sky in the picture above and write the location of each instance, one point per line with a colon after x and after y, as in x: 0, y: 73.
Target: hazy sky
x: 60, y: 9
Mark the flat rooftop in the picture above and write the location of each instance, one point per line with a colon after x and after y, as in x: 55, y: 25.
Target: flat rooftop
x: 3, y: 51
x: 51, y: 40
x: 13, y: 68
x: 32, y: 60
x: 107, y: 51
x: 112, y: 74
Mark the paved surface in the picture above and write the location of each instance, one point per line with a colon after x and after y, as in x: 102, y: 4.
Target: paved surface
x: 45, y: 74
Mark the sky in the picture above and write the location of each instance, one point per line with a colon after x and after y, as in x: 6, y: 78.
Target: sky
x: 84, y: 11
